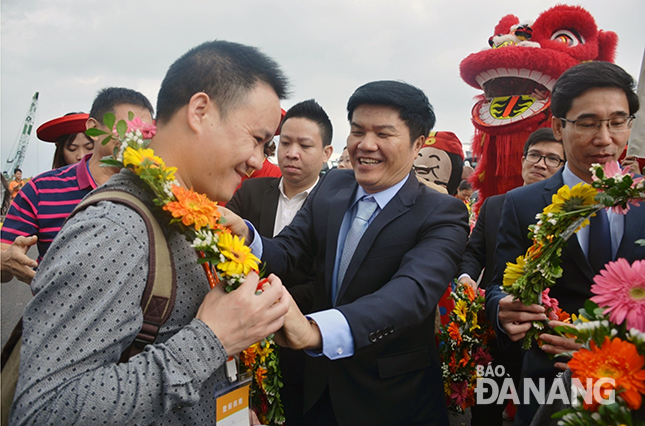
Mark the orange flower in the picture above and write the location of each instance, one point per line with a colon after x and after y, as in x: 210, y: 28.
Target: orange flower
x: 260, y: 375
x: 453, y: 331
x: 193, y: 208
x: 249, y: 356
x: 465, y: 358
x: 615, y: 359
x: 469, y: 292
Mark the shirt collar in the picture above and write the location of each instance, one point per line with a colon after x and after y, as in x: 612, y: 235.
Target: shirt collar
x: 568, y: 178
x: 83, y: 175
x: 306, y: 191
x: 383, y: 197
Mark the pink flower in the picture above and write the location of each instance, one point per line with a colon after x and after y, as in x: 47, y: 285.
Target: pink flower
x: 482, y: 356
x: 621, y: 289
x: 459, y: 392
x: 147, y: 130
x: 551, y: 304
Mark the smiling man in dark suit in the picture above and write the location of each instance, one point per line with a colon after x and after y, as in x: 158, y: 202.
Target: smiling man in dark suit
x: 385, y: 248
x: 593, y: 106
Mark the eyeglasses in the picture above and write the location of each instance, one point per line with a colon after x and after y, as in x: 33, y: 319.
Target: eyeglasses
x: 590, y: 125
x: 549, y: 160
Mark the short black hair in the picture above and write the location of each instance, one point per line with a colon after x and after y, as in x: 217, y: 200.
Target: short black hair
x: 224, y: 70
x: 544, y: 134
x: 412, y: 104
x: 464, y: 185
x: 588, y: 75
x: 16, y: 170
x: 311, y: 110
x: 109, y: 98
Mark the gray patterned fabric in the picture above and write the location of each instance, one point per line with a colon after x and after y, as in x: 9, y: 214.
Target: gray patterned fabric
x: 86, y: 311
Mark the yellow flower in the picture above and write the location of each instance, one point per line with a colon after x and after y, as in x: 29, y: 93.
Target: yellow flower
x: 264, y: 352
x: 473, y: 319
x: 513, y: 271
x: 461, y: 310
x: 136, y: 157
x: 240, y: 260
x: 581, y: 195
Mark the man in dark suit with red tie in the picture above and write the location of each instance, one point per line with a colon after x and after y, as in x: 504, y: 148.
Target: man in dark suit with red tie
x: 593, y: 107
x: 385, y: 248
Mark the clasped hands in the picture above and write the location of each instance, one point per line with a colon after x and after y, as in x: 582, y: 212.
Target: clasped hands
x: 516, y: 319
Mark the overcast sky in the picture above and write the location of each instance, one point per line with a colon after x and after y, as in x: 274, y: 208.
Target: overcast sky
x: 69, y: 49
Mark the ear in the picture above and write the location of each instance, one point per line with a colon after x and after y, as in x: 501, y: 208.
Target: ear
x: 91, y: 123
x: 199, y: 106
x: 417, y: 145
x: 556, y: 125
x: 327, y: 151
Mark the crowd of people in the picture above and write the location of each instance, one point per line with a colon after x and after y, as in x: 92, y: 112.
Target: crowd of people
x: 357, y: 258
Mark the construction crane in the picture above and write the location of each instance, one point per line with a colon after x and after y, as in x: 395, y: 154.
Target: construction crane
x: 18, y: 151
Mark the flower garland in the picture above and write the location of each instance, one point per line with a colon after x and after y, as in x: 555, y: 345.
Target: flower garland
x: 611, y: 328
x: 463, y: 346
x: 569, y: 211
x: 224, y: 256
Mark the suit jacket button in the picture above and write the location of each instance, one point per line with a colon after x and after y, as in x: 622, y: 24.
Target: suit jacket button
x: 391, y: 329
x: 379, y: 334
x: 372, y: 337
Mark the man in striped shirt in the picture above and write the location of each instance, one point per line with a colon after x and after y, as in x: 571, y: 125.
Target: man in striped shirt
x: 39, y: 210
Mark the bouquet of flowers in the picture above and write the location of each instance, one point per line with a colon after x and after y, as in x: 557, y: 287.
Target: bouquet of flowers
x: 224, y: 256
x: 611, y: 327
x: 463, y: 346
x: 539, y: 268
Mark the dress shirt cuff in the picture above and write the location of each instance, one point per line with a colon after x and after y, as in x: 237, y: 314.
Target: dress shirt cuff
x: 256, y: 241
x: 499, y: 325
x: 464, y: 275
x: 337, y: 339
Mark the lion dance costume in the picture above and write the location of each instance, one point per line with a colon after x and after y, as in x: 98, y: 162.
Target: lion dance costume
x: 517, y: 75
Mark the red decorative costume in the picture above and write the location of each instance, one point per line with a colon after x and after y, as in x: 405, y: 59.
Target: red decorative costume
x: 517, y: 75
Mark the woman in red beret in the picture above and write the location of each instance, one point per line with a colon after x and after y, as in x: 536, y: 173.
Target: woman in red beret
x: 68, y: 132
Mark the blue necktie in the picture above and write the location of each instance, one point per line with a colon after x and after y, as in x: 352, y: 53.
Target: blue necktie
x: 599, y: 252
x: 366, y: 207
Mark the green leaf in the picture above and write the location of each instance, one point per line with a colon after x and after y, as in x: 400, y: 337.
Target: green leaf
x: 109, y: 119
x: 121, y: 128
x: 95, y: 131
x: 106, y: 140
x: 130, y: 116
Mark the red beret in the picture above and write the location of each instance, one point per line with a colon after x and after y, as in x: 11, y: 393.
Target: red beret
x: 445, y: 141
x: 65, y: 125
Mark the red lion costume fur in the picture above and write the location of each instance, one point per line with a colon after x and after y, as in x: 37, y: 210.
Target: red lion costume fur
x: 517, y: 75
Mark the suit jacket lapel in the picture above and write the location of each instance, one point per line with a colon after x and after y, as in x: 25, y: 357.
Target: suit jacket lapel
x: 269, y: 207
x: 399, y: 205
x: 339, y: 205
x: 634, y: 228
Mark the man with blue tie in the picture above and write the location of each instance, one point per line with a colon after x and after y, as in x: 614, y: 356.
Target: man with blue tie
x: 593, y: 106
x: 385, y: 249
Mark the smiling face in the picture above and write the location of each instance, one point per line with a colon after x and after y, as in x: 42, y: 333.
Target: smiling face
x: 301, y: 154
x: 80, y: 146
x: 227, y: 148
x: 601, y: 147
x: 380, y: 148
x: 433, y: 165
x: 535, y: 172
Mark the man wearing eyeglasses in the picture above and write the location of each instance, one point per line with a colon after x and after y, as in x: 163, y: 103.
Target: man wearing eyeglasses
x: 593, y: 106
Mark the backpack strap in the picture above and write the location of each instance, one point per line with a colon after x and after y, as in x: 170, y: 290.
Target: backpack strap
x: 161, y: 287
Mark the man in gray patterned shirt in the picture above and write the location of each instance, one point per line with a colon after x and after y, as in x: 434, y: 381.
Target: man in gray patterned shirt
x: 217, y: 107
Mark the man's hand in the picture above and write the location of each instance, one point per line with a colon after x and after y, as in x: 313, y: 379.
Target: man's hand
x: 467, y: 280
x: 297, y: 332
x: 516, y: 318
x: 631, y: 164
x: 241, y: 318
x: 556, y: 344
x: 16, y: 263
x: 235, y: 223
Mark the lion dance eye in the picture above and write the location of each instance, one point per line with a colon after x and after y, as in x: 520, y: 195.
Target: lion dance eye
x: 566, y: 37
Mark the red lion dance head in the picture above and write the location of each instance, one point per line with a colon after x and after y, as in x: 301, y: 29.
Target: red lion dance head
x: 517, y: 75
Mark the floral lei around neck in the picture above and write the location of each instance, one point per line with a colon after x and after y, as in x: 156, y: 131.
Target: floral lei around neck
x: 530, y: 278
x: 224, y: 256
